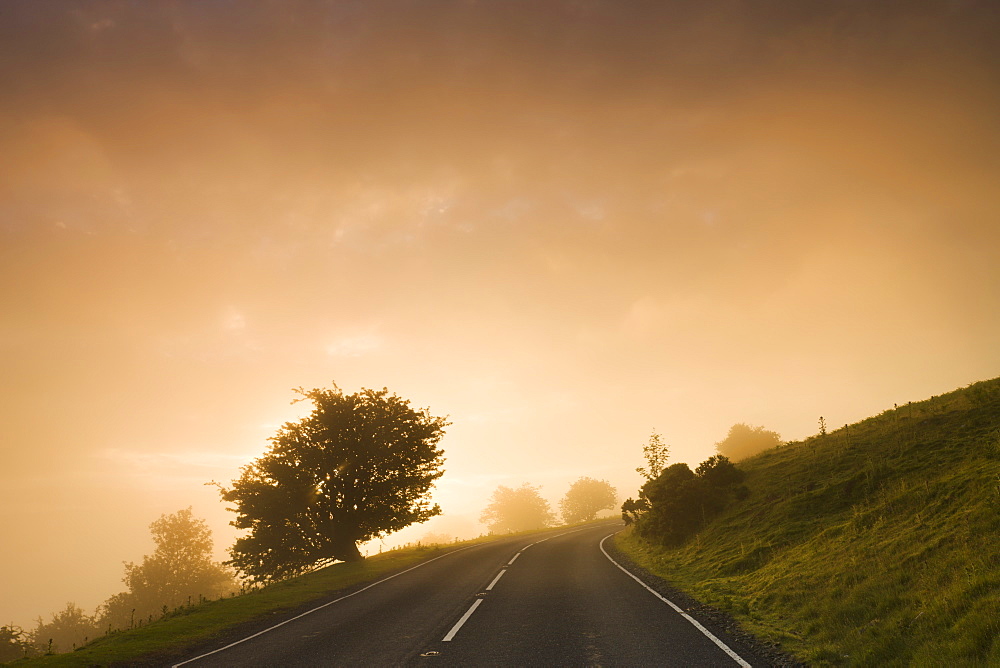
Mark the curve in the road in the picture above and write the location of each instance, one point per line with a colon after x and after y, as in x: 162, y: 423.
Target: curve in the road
x: 558, y: 600
x: 708, y: 634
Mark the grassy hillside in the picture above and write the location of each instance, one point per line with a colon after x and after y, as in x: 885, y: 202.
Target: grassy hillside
x: 876, y: 544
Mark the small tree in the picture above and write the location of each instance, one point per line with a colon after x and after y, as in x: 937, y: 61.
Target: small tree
x: 517, y: 510
x: 69, y: 628
x: 656, y: 454
x: 14, y: 643
x: 745, y: 441
x: 181, y: 566
x: 360, y: 466
x: 180, y: 570
x: 585, y: 498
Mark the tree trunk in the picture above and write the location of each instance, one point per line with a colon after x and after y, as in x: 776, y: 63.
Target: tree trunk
x: 349, y: 552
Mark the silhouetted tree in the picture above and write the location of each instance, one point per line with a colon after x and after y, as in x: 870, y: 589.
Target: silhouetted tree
x: 180, y: 570
x: 70, y: 628
x: 745, y: 441
x: 680, y: 501
x: 656, y: 453
x: 673, y: 505
x: 14, y: 643
x: 718, y: 471
x: 517, y: 510
x: 585, y: 498
x: 633, y: 509
x: 359, y: 467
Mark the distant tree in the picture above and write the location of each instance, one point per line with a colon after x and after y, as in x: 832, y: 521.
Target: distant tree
x: 14, y: 643
x: 179, y: 571
x: 119, y: 610
x: 69, y: 629
x: 181, y: 566
x: 585, y: 498
x: 360, y: 466
x: 745, y: 441
x: 656, y: 454
x: 517, y: 510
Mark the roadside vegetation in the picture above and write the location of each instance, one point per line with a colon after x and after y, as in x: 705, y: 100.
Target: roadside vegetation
x: 872, y: 544
x: 201, y: 622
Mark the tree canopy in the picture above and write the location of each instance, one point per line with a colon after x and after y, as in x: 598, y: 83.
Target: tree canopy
x: 745, y: 441
x: 518, y: 509
x: 585, y: 498
x: 179, y: 571
x: 675, y: 505
x: 360, y: 466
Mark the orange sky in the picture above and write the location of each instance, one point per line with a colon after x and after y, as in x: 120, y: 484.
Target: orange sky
x: 564, y: 224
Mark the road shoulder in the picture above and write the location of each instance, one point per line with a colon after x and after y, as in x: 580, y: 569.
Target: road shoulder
x: 754, y: 650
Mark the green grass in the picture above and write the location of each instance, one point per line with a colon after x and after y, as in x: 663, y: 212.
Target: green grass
x: 875, y: 545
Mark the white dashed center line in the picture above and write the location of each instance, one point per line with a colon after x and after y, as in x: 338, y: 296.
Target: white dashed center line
x: 475, y: 604
x: 496, y: 579
x: 465, y: 618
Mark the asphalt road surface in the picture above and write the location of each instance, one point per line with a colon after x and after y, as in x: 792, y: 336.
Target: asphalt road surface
x: 550, y: 599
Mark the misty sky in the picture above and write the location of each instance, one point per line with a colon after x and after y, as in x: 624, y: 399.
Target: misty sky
x: 563, y: 223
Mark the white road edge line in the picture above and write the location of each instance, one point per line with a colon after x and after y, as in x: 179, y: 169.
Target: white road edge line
x: 319, y: 607
x: 725, y: 648
x: 496, y: 579
x: 459, y: 623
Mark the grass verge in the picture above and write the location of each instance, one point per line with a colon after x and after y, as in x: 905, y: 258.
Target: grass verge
x: 874, y: 545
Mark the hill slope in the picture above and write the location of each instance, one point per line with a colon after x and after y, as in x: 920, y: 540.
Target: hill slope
x: 876, y: 544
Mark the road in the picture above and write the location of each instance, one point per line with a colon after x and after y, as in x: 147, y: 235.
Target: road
x: 550, y: 599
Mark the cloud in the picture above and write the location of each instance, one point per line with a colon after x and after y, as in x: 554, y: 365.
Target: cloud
x: 233, y: 320
x: 172, y: 470
x: 172, y: 459
x: 355, y: 345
